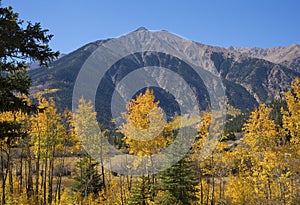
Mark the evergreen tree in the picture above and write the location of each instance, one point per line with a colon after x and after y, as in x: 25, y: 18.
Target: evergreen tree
x: 179, y: 181
x: 88, y: 180
x: 18, y: 44
x: 141, y: 194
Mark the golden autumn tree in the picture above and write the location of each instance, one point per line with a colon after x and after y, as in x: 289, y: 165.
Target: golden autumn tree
x: 266, y: 164
x: 48, y: 134
x: 18, y: 120
x: 291, y: 117
x: 212, y: 162
x: 89, y: 181
x: 203, y: 133
x: 264, y: 149
x: 260, y: 134
x: 291, y: 129
x: 260, y: 131
x: 145, y: 123
x: 143, y: 131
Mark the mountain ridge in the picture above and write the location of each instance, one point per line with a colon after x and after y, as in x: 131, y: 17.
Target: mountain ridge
x: 248, y: 80
x: 284, y: 55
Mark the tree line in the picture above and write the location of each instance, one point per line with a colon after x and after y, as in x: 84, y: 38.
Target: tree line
x: 259, y: 168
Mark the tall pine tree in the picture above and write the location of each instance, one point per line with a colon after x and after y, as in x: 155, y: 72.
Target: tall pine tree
x: 18, y: 44
x: 179, y: 182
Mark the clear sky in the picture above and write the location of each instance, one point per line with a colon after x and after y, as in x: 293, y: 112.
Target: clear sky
x: 223, y: 23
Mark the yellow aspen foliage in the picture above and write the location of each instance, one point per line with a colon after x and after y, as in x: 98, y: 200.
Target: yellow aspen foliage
x: 47, y: 130
x: 260, y: 131
x: 117, y: 193
x: 291, y: 117
x: 86, y: 125
x: 241, y: 191
x: 71, y: 137
x: 140, y: 108
x: 291, y: 127
x: 87, y: 130
x: 203, y: 132
x: 262, y: 138
x: 270, y: 165
x: 144, y: 127
x: 66, y: 198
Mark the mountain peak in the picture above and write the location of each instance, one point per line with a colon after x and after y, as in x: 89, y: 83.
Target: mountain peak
x: 141, y: 29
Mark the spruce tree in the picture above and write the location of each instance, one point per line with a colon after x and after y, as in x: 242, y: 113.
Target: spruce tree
x: 180, y: 181
x: 88, y: 180
x: 141, y: 193
x: 18, y: 44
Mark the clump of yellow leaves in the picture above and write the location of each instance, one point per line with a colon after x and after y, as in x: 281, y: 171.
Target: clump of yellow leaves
x: 145, y: 126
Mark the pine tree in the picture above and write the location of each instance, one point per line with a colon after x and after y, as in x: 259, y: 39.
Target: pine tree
x: 19, y: 43
x: 88, y: 181
x: 141, y: 193
x: 179, y: 181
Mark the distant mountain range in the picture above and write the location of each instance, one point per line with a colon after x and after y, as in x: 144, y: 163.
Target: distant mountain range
x: 288, y: 56
x: 250, y: 75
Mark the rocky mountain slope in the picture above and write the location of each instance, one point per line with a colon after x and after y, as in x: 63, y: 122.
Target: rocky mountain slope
x: 285, y: 55
x: 250, y: 75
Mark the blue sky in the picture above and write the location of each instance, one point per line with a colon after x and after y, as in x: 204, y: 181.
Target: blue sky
x: 224, y: 23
